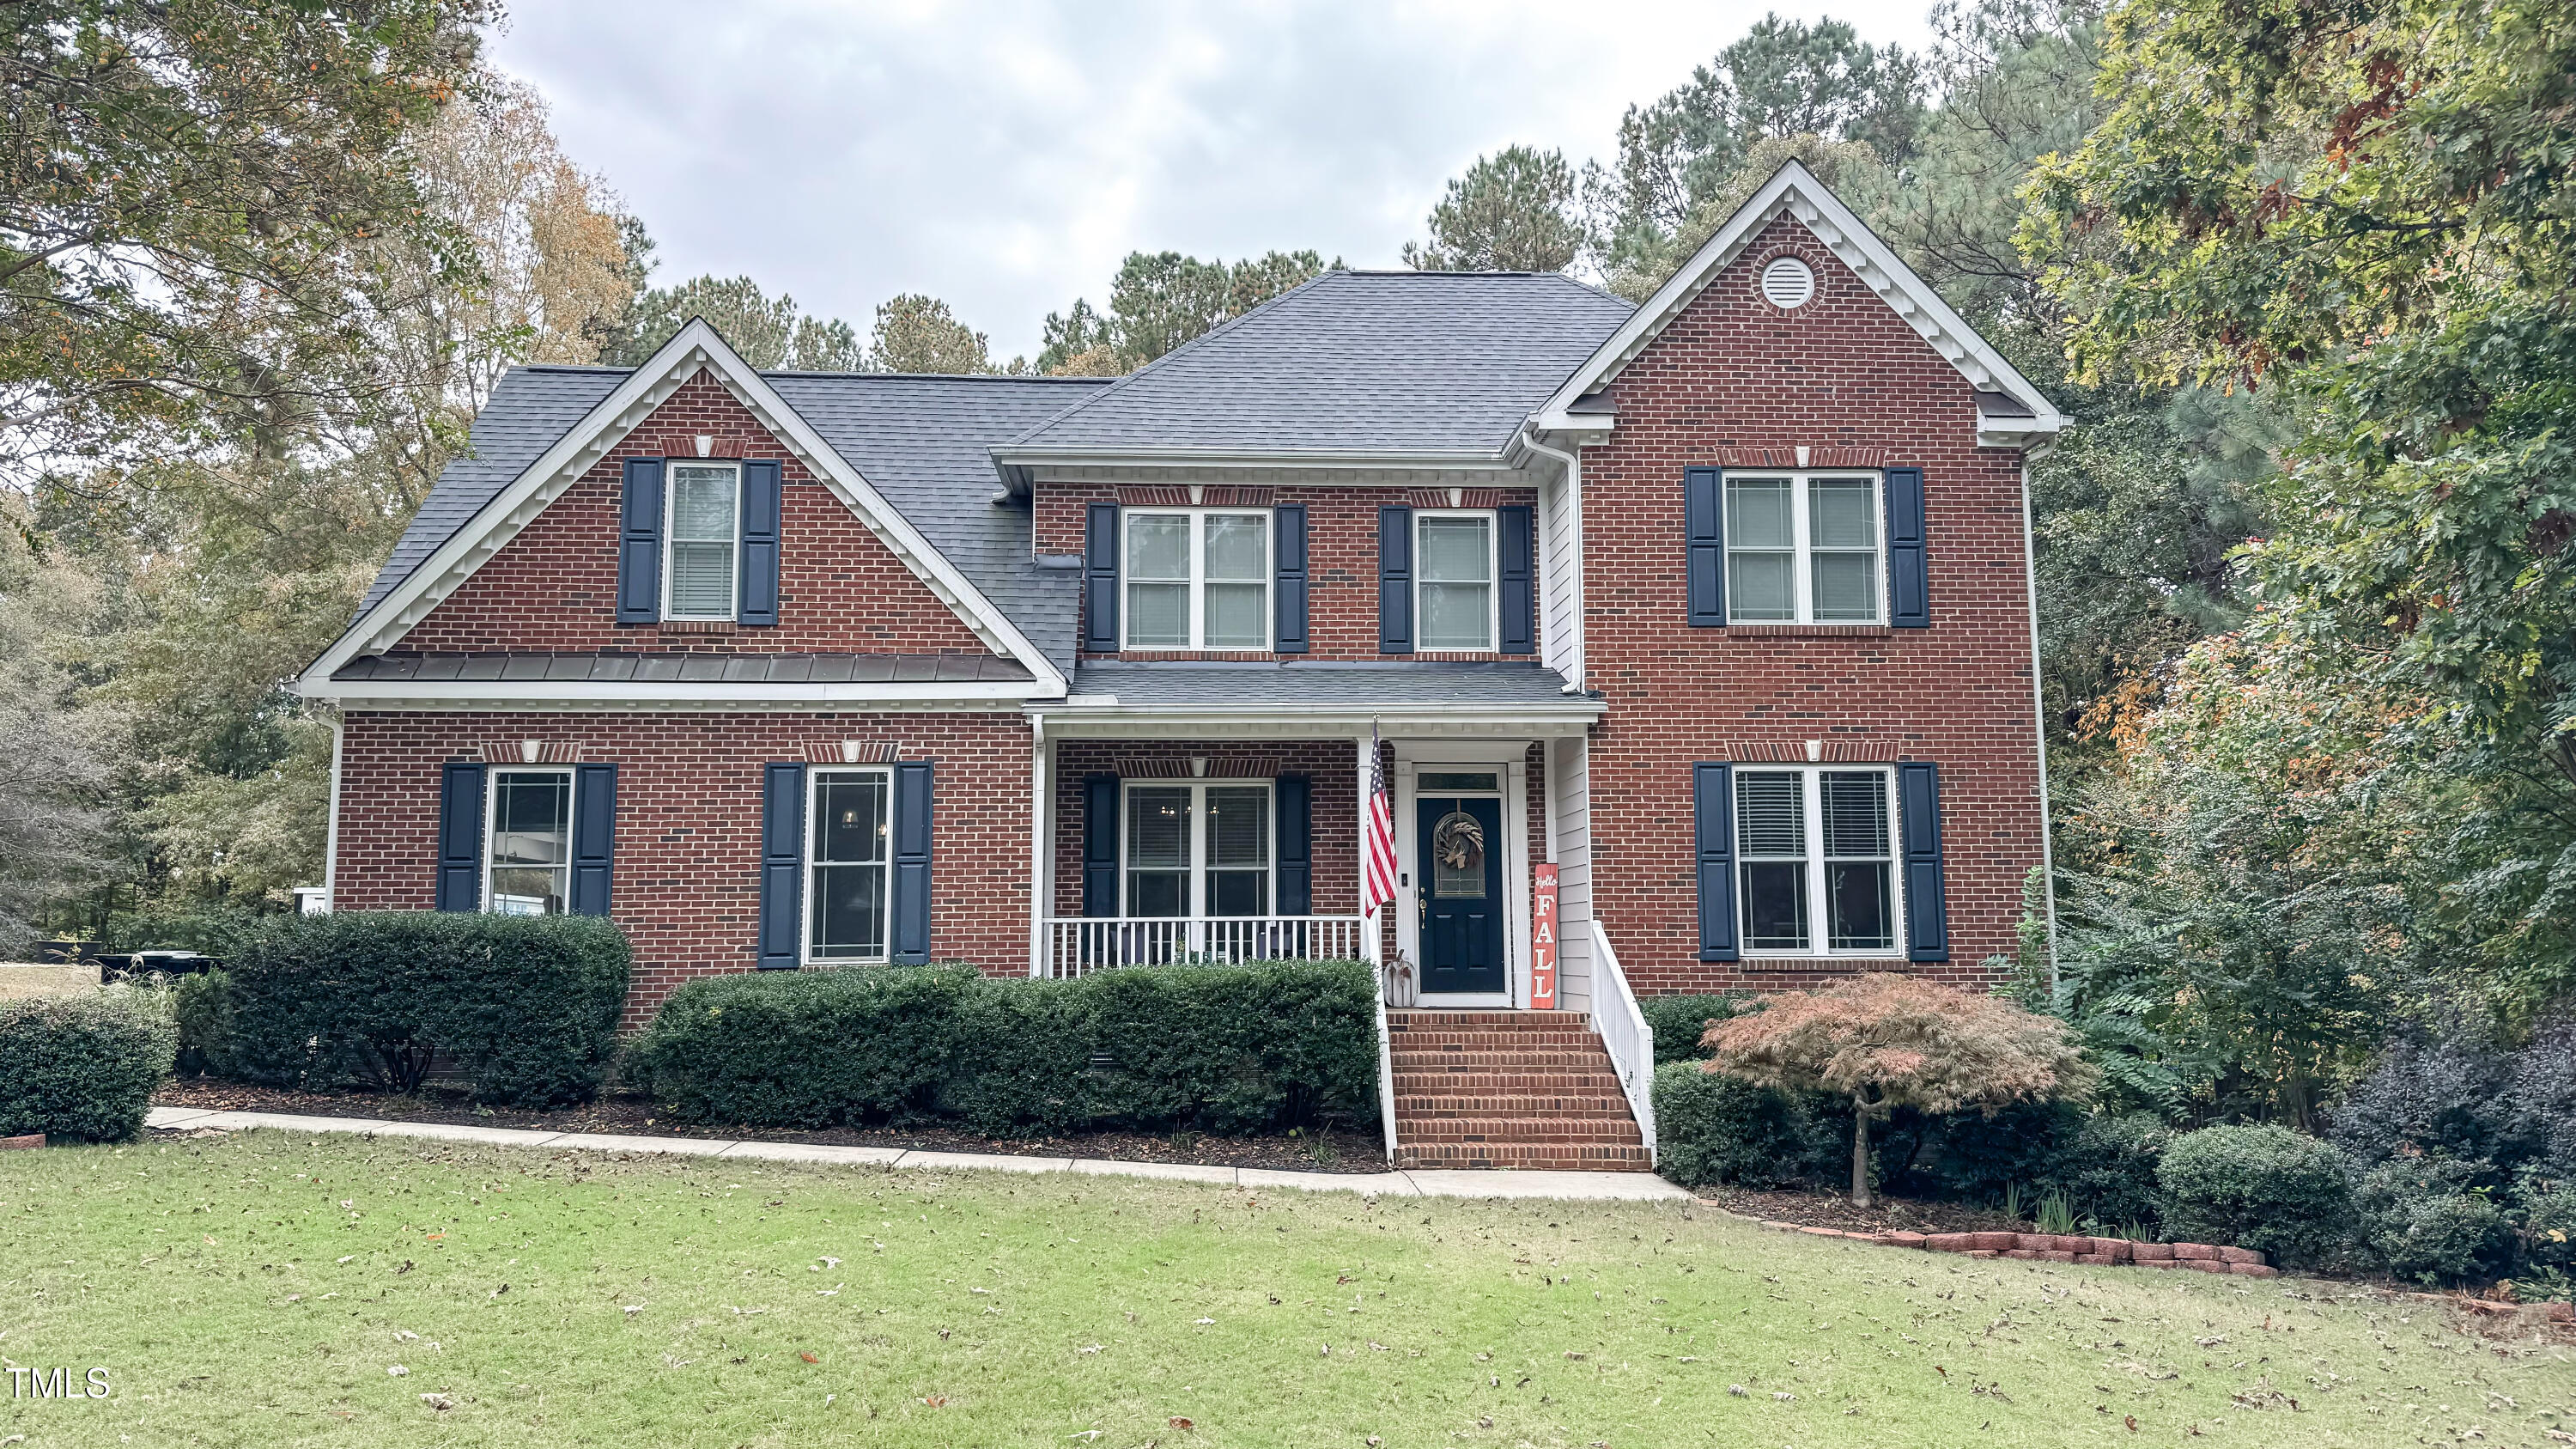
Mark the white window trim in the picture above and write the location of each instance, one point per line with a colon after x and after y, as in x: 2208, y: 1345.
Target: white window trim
x: 670, y: 503
x: 1198, y: 579
x: 1198, y: 867
x: 1802, y: 586
x: 1819, y: 923
x: 815, y: 777
x: 1493, y: 580
x: 492, y: 821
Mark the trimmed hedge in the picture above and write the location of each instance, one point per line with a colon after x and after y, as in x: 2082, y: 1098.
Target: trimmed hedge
x: 1679, y: 1021
x: 1229, y: 1049
x: 82, y: 1066
x: 525, y: 1006
x: 2267, y: 1188
x: 1712, y: 1128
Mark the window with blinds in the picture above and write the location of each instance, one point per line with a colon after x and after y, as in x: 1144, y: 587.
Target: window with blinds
x: 700, y: 535
x: 1813, y: 842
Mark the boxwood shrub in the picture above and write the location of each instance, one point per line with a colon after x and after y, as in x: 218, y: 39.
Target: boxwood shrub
x: 82, y: 1067
x: 1712, y: 1128
x: 2268, y: 1188
x: 525, y: 1007
x: 1229, y: 1049
x: 1679, y: 1021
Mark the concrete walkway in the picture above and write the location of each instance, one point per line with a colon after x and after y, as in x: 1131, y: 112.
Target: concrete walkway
x: 1418, y: 1183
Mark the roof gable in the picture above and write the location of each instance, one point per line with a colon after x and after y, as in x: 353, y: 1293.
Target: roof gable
x: 2018, y: 409
x: 406, y: 594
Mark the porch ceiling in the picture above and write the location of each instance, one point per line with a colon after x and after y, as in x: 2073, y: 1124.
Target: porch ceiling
x: 1324, y: 698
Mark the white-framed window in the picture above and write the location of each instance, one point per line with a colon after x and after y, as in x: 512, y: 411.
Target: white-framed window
x: 1197, y: 848
x: 701, y: 539
x: 1815, y: 860
x: 848, y: 849
x: 1197, y: 578
x: 1454, y: 568
x: 527, y: 855
x: 1804, y: 548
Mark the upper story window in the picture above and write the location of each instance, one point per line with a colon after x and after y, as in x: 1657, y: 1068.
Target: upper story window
x: 528, y: 859
x: 1198, y: 849
x: 1197, y: 579
x: 1453, y: 580
x: 701, y: 534
x: 1803, y: 548
x: 847, y: 851
x: 1814, y: 857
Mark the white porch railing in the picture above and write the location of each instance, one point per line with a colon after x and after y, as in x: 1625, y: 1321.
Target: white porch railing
x: 1624, y: 1034
x: 1080, y: 945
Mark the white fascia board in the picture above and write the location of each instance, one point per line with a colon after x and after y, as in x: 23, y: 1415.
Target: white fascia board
x: 694, y: 347
x: 1102, y: 716
x: 613, y: 695
x: 1850, y: 240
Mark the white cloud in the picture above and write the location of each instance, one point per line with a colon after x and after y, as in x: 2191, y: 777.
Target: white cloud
x: 1005, y: 156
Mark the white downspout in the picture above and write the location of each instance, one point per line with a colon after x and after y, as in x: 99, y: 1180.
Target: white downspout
x: 2039, y: 719
x: 1572, y: 482
x: 331, y: 829
x: 1041, y: 843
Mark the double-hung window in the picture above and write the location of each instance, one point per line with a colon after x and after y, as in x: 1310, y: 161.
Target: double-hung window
x: 1198, y: 849
x: 702, y: 534
x: 847, y: 839
x: 527, y: 861
x: 1804, y: 548
x: 1815, y: 860
x: 1197, y: 579
x: 1453, y: 580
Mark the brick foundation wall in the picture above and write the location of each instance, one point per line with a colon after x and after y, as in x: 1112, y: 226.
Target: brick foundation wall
x: 554, y: 585
x: 1341, y: 550
x: 687, y: 881
x: 1736, y: 381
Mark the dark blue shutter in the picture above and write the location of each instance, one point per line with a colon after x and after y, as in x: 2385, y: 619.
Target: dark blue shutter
x: 1704, y: 527
x: 912, y: 789
x: 1909, y: 590
x: 1100, y: 579
x: 1395, y: 581
x: 1288, y: 525
x: 1100, y: 845
x: 1927, y: 911
x: 761, y: 486
x: 1516, y: 554
x: 460, y: 837
x: 782, y: 866
x: 594, y: 837
x: 1713, y: 841
x: 1296, y: 846
x: 639, y: 543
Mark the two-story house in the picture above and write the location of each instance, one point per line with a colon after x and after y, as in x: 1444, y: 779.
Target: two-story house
x: 1720, y: 605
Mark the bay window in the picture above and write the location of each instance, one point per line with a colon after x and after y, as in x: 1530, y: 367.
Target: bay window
x: 1197, y: 579
x: 1815, y: 861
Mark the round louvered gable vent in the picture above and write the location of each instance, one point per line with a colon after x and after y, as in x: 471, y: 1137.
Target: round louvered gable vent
x: 1787, y: 283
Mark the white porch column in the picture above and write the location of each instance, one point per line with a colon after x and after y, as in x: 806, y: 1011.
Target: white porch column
x: 1041, y: 841
x: 1371, y: 927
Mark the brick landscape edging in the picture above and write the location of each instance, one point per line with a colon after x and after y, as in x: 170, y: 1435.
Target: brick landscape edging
x: 2048, y: 1248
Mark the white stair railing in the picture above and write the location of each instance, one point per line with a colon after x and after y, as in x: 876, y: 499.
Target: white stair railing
x: 1624, y: 1034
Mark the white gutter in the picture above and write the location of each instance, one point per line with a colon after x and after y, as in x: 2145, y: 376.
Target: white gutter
x: 570, y: 694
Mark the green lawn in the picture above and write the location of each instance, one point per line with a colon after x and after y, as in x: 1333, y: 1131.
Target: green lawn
x: 257, y: 1291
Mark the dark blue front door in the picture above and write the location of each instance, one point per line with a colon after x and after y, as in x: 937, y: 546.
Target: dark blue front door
x: 1460, y: 887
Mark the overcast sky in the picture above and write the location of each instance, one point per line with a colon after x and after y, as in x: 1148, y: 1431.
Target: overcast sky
x: 1005, y: 156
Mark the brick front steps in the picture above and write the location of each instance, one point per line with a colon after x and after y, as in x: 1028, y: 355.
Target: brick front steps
x: 1522, y: 1089
x: 2047, y: 1248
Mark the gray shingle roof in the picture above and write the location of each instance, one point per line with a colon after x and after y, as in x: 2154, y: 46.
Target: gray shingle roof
x: 1387, y: 362
x: 692, y: 668
x: 1322, y: 682
x: 923, y: 442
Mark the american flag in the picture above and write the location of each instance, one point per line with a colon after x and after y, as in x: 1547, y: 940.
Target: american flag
x: 1381, y: 834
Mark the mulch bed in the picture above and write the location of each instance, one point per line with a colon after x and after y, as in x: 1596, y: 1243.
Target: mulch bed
x: 1329, y: 1151
x: 1831, y: 1210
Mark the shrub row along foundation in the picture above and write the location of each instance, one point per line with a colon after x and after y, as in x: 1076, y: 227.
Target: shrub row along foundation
x: 2058, y: 1248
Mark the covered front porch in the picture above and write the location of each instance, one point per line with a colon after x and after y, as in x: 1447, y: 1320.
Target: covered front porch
x: 1228, y: 824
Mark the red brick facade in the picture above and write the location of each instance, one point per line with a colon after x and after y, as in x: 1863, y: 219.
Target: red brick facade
x: 1341, y: 549
x: 1730, y: 376
x: 686, y: 885
x: 554, y: 585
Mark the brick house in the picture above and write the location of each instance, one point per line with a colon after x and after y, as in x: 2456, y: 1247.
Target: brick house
x: 1719, y: 607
